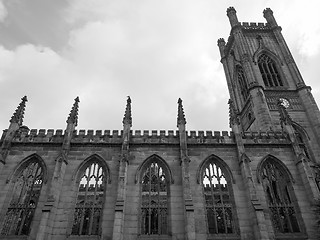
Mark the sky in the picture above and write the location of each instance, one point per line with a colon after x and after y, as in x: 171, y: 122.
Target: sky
x: 153, y: 51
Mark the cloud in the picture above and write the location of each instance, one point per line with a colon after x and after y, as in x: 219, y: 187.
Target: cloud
x: 154, y: 51
x: 3, y: 11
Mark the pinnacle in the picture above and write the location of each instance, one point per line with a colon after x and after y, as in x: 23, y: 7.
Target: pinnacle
x: 181, y: 117
x: 73, y: 116
x: 127, y: 119
x: 18, y: 115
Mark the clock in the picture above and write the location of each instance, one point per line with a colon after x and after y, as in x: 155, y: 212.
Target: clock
x: 284, y: 102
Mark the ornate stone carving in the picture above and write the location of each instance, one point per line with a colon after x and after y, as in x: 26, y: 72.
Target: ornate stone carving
x: 245, y: 58
x: 284, y: 116
x: 233, y: 114
x: 272, y: 98
x: 289, y: 59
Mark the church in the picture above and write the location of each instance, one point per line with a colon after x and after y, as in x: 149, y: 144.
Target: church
x: 259, y: 181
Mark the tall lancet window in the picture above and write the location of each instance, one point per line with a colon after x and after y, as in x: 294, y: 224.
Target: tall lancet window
x: 279, y: 195
x: 26, y: 192
x: 154, y: 200
x: 242, y: 82
x: 90, y: 199
x: 218, y: 199
x: 269, y: 71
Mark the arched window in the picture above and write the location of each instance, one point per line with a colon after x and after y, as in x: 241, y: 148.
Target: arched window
x: 26, y: 192
x: 218, y: 199
x: 242, y: 82
x: 154, y: 200
x: 279, y: 195
x: 269, y: 71
x: 88, y: 211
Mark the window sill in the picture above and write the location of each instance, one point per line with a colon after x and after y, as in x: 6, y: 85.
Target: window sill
x: 155, y: 237
x: 223, y: 236
x: 4, y: 237
x: 289, y: 236
x: 84, y: 237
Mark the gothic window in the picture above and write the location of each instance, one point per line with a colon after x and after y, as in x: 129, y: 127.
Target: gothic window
x: 218, y: 199
x: 26, y: 192
x: 154, y: 200
x: 317, y: 175
x: 279, y: 195
x: 88, y: 211
x: 242, y: 83
x: 269, y: 71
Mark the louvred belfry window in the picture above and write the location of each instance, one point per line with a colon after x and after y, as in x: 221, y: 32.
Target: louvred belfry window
x: 154, y: 201
x: 279, y: 194
x: 269, y: 71
x: 218, y: 200
x: 242, y: 83
x: 88, y: 211
x: 25, y: 198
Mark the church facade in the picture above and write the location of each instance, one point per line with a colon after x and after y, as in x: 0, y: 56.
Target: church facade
x: 257, y: 182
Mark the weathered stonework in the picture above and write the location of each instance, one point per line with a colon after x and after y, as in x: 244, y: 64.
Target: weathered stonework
x: 262, y: 130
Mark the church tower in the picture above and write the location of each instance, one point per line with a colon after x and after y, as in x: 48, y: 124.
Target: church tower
x: 260, y: 71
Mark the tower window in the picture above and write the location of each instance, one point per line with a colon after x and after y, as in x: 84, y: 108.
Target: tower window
x: 218, y: 200
x: 242, y: 83
x: 154, y: 200
x: 269, y: 71
x: 23, y: 204
x: 279, y: 194
x: 88, y: 211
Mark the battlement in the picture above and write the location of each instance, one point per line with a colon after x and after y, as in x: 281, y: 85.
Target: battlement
x: 254, y: 26
x: 145, y: 136
x: 115, y: 136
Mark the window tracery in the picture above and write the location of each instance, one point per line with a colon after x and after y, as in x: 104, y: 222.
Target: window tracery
x: 269, y: 71
x: 218, y: 200
x: 24, y: 201
x: 279, y: 195
x: 154, y: 200
x: 89, y: 205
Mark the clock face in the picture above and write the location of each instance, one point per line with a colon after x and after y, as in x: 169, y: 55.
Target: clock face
x: 284, y: 102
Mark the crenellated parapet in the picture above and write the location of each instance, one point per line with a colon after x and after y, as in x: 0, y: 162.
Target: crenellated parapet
x: 146, y: 137
x: 255, y: 26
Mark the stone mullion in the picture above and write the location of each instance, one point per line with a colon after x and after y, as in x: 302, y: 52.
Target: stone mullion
x: 258, y: 217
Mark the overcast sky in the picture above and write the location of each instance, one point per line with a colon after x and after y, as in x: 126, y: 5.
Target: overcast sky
x: 153, y: 50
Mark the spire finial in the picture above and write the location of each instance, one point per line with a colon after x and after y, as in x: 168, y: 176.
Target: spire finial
x: 284, y: 116
x: 181, y: 117
x: 127, y: 119
x: 18, y: 115
x: 268, y: 15
x: 232, y: 14
x: 73, y: 116
x: 233, y: 114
